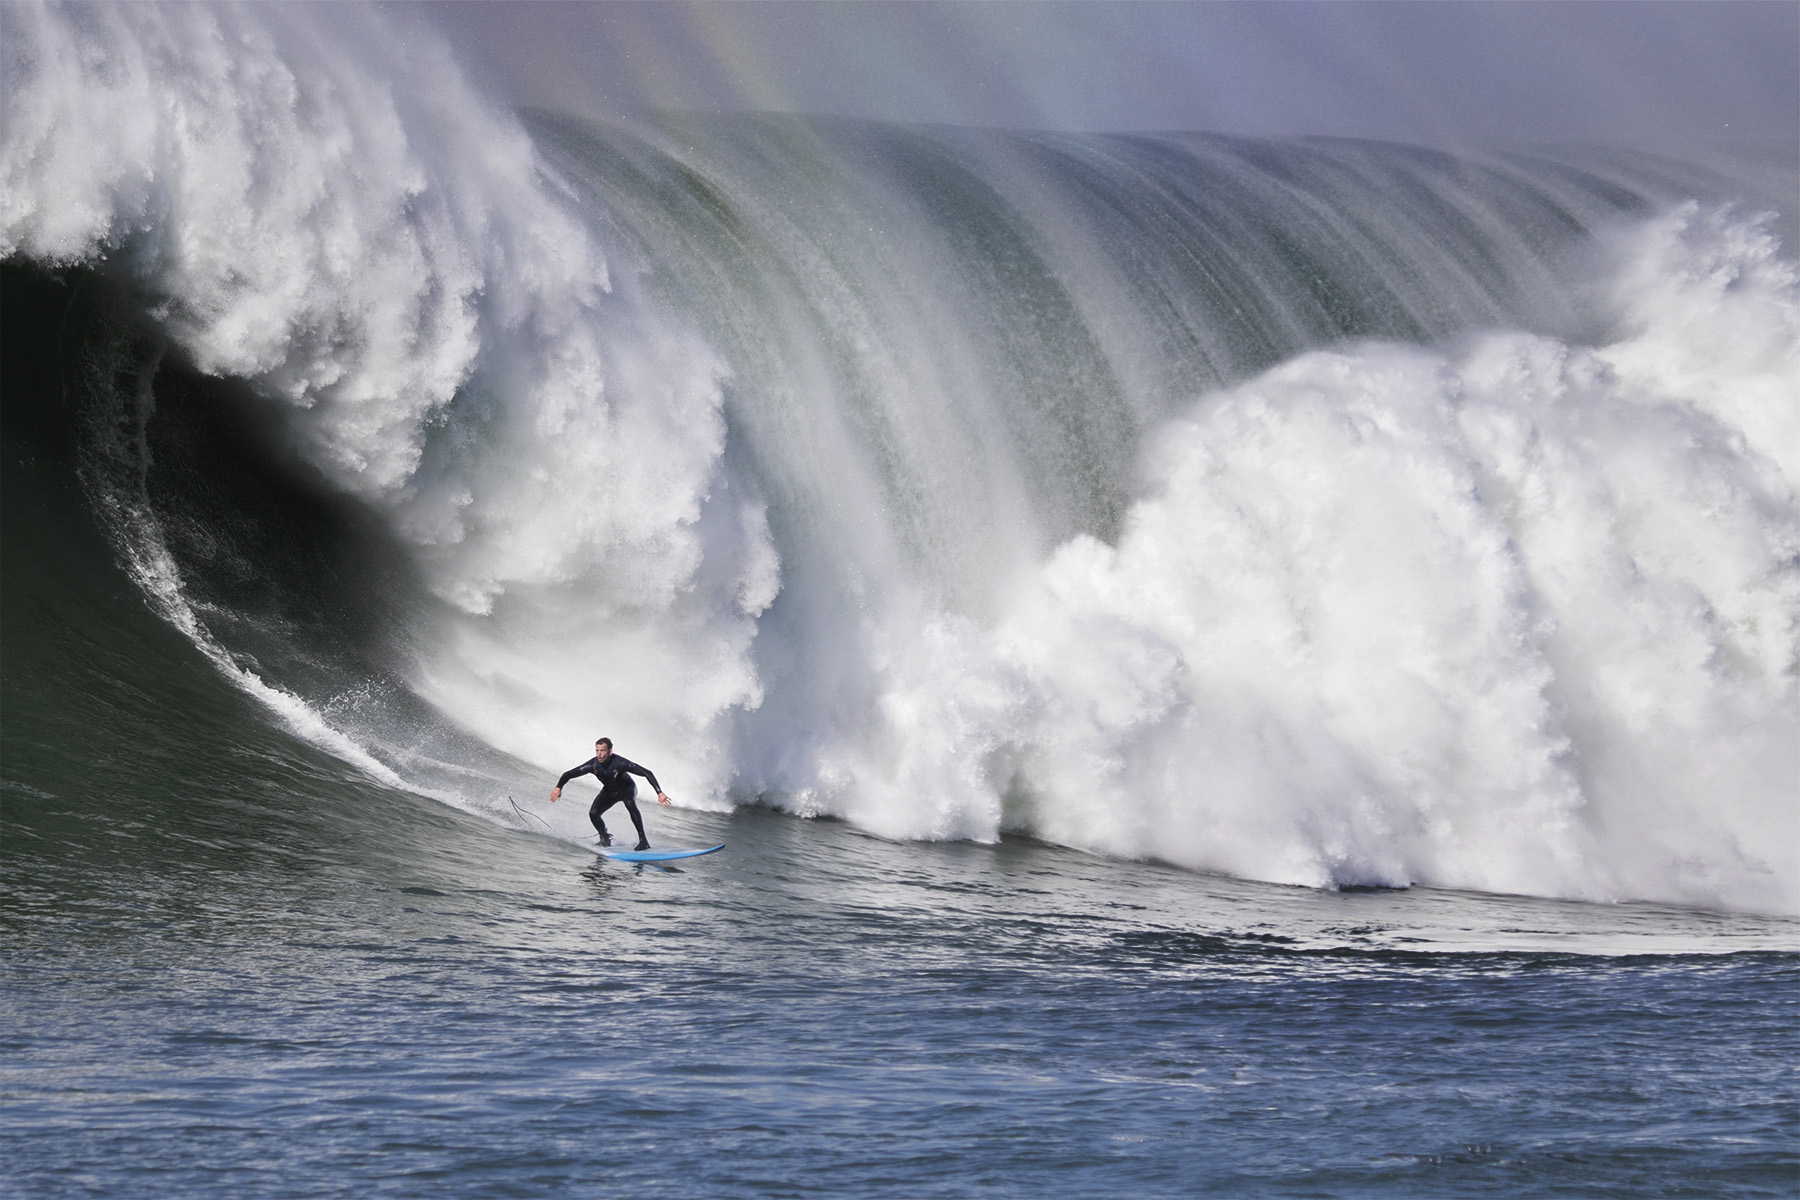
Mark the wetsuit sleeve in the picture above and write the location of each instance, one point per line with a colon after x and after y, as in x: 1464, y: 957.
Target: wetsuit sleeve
x: 589, y: 767
x: 646, y: 772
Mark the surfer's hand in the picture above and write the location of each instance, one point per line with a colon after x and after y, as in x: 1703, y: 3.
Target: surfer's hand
x: 662, y: 799
x: 554, y: 793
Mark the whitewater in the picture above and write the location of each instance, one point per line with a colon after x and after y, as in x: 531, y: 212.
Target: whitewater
x: 1311, y: 512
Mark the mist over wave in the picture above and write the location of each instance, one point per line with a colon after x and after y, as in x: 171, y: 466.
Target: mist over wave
x: 1319, y: 512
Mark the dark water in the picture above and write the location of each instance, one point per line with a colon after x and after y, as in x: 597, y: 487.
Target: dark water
x: 234, y: 967
x: 816, y: 1012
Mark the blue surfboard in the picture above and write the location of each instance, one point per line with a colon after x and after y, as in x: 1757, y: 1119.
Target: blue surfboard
x: 656, y: 855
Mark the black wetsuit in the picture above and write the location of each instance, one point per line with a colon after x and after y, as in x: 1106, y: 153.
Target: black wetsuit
x: 616, y: 787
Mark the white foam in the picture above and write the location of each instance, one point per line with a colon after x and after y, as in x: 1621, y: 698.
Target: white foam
x: 315, y: 200
x: 1517, y: 615
x: 1709, y: 306
x: 1510, y: 618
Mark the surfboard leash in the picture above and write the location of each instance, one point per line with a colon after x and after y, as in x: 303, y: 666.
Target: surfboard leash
x: 523, y: 813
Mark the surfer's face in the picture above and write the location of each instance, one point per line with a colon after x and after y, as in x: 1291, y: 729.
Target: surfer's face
x: 602, y: 751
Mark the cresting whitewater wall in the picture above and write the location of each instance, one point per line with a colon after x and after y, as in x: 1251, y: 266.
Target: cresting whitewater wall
x: 1314, y: 512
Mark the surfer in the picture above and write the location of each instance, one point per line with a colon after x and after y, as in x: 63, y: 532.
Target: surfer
x: 614, y: 771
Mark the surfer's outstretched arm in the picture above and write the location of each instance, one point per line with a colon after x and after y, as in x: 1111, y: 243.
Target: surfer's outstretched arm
x: 590, y: 767
x: 647, y: 773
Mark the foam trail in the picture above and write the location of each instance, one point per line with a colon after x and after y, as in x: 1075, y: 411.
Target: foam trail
x: 119, y: 379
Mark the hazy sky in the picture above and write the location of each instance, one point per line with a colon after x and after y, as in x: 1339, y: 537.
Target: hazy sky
x: 1438, y: 72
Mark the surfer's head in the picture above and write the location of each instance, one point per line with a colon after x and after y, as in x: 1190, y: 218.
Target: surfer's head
x: 602, y: 748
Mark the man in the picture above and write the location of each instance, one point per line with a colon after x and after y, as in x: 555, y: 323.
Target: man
x: 614, y: 771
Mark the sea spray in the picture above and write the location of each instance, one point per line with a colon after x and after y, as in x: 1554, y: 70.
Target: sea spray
x: 315, y: 201
x: 1187, y: 498
x: 1505, y: 618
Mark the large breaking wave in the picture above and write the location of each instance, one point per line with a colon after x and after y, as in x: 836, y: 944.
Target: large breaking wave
x: 1320, y: 512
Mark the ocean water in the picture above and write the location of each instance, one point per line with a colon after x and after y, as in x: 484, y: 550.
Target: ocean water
x: 236, y: 968
x: 1224, y: 666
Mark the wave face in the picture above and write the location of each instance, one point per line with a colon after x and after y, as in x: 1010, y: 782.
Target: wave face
x: 1319, y: 512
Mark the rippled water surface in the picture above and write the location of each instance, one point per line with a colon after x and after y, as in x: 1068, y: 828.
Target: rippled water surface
x: 436, y: 1003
